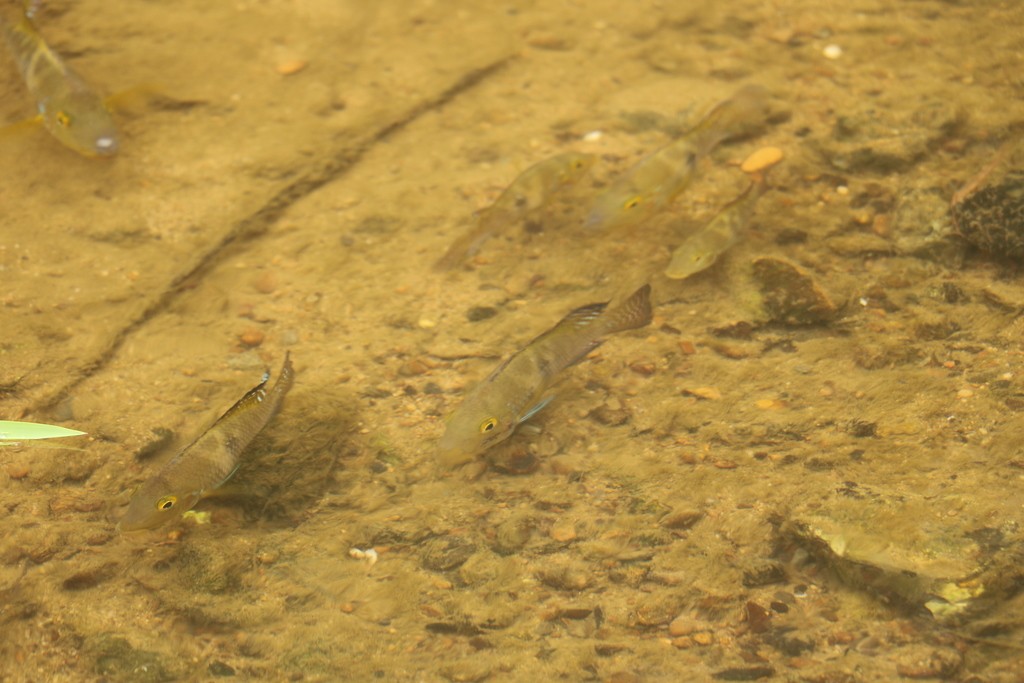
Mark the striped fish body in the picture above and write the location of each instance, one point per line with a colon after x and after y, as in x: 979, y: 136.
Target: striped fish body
x: 529, y: 193
x: 702, y: 249
x: 67, y: 106
x: 519, y: 387
x: 210, y: 460
x: 657, y: 179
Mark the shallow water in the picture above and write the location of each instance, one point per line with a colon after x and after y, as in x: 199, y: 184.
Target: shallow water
x: 718, y: 495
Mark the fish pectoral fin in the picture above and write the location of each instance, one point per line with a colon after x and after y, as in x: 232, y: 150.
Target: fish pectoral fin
x: 227, y: 492
x: 536, y: 409
x: 140, y: 98
x: 21, y: 128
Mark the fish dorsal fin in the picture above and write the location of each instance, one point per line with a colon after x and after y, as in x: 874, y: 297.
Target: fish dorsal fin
x: 255, y: 395
x: 576, y: 319
x: 580, y: 317
x: 259, y: 393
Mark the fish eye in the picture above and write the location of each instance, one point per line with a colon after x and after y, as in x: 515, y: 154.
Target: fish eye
x: 488, y: 425
x: 166, y: 503
x: 62, y: 119
x: 632, y: 203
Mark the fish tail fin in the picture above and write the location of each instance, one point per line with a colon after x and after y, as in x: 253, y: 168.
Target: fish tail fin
x: 286, y: 377
x: 740, y: 116
x: 631, y: 314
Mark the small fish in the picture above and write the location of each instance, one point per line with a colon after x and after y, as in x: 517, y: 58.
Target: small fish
x: 661, y: 176
x: 703, y: 248
x: 530, y: 192
x: 518, y: 388
x: 208, y: 461
x: 71, y: 110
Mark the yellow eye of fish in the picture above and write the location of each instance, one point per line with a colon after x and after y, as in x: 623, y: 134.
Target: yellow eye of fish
x: 488, y: 424
x: 166, y: 503
x: 632, y: 202
x: 62, y: 119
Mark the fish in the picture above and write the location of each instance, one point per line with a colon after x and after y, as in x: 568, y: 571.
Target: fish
x: 520, y: 387
x: 657, y: 179
x: 71, y: 110
x: 701, y: 250
x: 210, y: 460
x: 521, y: 201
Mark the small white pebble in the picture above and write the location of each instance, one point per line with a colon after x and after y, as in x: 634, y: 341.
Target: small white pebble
x: 842, y: 190
x: 592, y: 136
x: 369, y: 555
x: 832, y: 51
x: 426, y: 323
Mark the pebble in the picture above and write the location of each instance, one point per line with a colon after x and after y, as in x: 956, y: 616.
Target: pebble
x: 446, y: 553
x: 832, y: 51
x: 17, y: 471
x: 564, y: 574
x: 681, y: 519
x: 265, y: 282
x: 683, y: 625
x: 757, y: 617
x: 547, y: 41
x: 657, y: 609
x: 708, y: 393
x: 563, y: 531
x: 370, y: 556
x: 790, y: 294
x: 513, y: 534
x: 762, y: 159
x: 624, y: 677
x: 645, y: 368
x: 467, y: 670
x: 251, y: 337
x: 920, y: 661
x: 291, y: 66
x: 565, y: 465
x: 703, y: 638
x: 478, y: 313
x: 606, y: 415
x: 413, y: 367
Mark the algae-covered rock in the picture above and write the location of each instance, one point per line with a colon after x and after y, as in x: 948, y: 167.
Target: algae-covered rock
x: 899, y: 548
x: 117, y: 659
x: 992, y: 218
x: 205, y: 569
x: 790, y: 295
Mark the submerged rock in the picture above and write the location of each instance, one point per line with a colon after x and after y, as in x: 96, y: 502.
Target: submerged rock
x: 790, y: 295
x: 881, y: 543
x: 992, y: 218
x: 116, y: 658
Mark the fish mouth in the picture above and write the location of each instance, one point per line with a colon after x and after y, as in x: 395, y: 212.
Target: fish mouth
x: 450, y: 456
x: 105, y: 146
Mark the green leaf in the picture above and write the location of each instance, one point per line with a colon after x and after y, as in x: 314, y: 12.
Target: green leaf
x: 23, y: 431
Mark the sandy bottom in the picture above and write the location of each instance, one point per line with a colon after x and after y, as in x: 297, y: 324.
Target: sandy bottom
x: 743, y: 490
